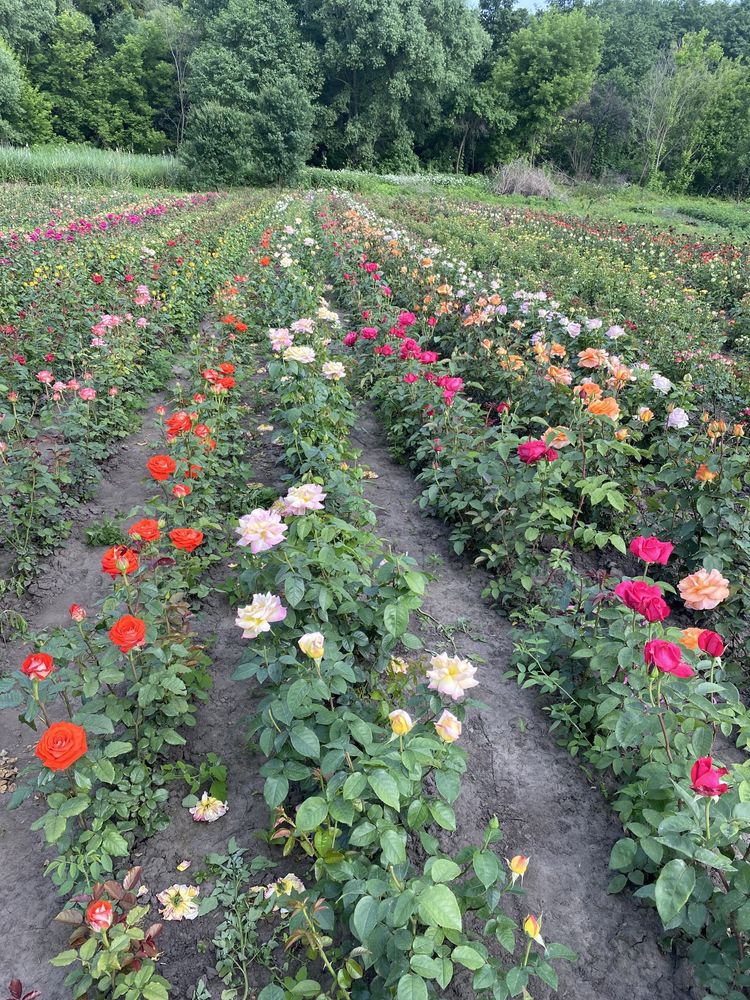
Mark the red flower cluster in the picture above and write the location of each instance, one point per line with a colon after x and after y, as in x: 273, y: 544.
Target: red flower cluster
x: 644, y: 598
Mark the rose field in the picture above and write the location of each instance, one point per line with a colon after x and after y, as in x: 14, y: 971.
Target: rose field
x: 374, y: 579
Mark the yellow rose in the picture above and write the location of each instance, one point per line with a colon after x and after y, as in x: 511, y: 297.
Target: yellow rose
x: 401, y: 722
x: 313, y: 645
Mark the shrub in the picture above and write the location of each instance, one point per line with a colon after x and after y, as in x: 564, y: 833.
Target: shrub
x: 520, y: 177
x: 217, y: 143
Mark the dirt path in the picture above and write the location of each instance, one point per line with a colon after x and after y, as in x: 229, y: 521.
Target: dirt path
x: 546, y: 805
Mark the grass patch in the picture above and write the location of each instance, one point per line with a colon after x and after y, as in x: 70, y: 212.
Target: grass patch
x: 84, y: 166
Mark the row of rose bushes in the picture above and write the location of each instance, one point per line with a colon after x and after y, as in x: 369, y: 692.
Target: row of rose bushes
x: 92, y: 327
x: 631, y: 449
x: 362, y: 757
x: 645, y: 702
x: 127, y: 676
x: 709, y: 269
x: 663, y: 314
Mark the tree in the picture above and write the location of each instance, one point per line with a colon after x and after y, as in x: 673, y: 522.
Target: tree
x: 180, y: 37
x: 549, y: 68
x: 65, y: 73
x: 248, y: 49
x: 674, y: 107
x: 23, y: 22
x: 501, y: 19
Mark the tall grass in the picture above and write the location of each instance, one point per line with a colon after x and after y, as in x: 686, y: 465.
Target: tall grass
x: 87, y: 167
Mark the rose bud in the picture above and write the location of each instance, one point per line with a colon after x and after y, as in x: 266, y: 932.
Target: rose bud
x: 77, y: 612
x: 401, y: 722
x: 711, y: 643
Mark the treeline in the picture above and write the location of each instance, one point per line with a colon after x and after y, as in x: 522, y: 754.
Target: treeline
x: 657, y: 91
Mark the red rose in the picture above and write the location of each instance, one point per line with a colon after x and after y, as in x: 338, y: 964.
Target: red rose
x: 226, y: 366
x: 193, y: 471
x: 704, y: 778
x: 651, y: 550
x: 180, y: 491
x: 531, y: 451
x: 118, y: 560
x: 38, y: 666
x: 178, y: 423
x: 127, y: 633
x: 97, y: 279
x: 147, y: 530
x: 711, y: 643
x: 61, y: 745
x: 667, y: 657
x: 186, y: 539
x: 161, y: 467
x: 77, y: 612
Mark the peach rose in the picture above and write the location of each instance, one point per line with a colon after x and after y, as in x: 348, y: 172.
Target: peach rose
x: 592, y: 357
x: 689, y: 637
x: 703, y: 590
x: 606, y: 407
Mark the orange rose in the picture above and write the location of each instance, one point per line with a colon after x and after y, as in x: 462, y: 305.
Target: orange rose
x: 621, y: 434
x: 186, y: 539
x: 689, y: 637
x: 127, y: 633
x: 703, y: 590
x: 119, y: 559
x: 161, y: 467
x: 716, y: 428
x: 704, y: 474
x: 61, y: 745
x: 645, y: 415
x: 589, y: 389
x: 606, y: 407
x: 147, y: 530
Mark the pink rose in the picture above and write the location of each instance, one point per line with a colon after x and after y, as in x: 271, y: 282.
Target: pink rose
x: 667, y: 657
x: 651, y: 550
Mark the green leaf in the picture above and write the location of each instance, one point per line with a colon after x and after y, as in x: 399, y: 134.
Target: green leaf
x: 64, y: 958
x: 443, y: 815
x: 468, y: 957
x: 104, y: 770
x: 623, y: 854
x: 486, y: 867
x: 54, y: 828
x: 117, y: 747
x: 385, y: 787
x: 275, y: 790
x: 311, y: 814
x: 438, y: 907
x: 416, y: 582
x: 396, y: 619
x: 115, y: 844
x: 271, y: 992
x: 354, y: 785
x: 366, y: 917
x: 673, y: 889
x: 294, y: 590
x: 517, y: 979
x: 411, y: 987
x: 305, y: 742
x: 444, y: 870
